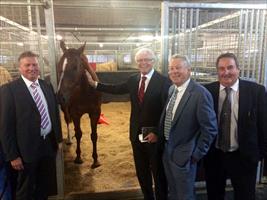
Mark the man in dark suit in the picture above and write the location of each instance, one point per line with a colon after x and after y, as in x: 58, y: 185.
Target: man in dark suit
x: 188, y: 126
x: 242, y: 132
x: 30, y: 130
x: 148, y: 92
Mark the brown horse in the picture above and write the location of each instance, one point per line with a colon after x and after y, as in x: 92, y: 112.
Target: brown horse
x: 76, y: 97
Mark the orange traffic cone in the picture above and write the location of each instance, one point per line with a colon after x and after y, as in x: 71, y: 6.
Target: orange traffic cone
x: 102, y: 120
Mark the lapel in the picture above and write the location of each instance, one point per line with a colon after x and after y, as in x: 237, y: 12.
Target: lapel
x: 135, y: 88
x: 183, y: 102
x: 151, y: 86
x: 216, y: 93
x: 243, y: 100
x: 24, y: 91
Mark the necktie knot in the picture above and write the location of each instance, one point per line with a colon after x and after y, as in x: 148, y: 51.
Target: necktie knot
x: 34, y: 85
x: 227, y: 90
x: 143, y: 78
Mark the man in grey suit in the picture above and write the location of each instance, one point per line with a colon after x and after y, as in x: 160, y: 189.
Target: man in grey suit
x: 188, y: 126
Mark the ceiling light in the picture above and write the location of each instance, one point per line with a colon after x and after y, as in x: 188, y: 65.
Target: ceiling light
x: 59, y: 37
x: 20, y: 44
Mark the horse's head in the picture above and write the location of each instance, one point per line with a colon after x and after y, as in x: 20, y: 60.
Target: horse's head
x: 70, y: 71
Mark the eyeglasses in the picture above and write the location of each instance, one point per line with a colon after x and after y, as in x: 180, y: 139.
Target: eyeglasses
x: 146, y: 60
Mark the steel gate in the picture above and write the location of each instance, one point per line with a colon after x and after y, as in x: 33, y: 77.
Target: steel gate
x: 204, y: 31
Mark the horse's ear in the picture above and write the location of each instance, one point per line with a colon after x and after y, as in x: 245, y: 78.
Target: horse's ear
x: 81, y: 49
x: 63, y: 46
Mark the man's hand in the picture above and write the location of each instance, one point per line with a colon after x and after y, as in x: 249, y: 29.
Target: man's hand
x: 151, y: 138
x: 17, y: 164
x: 90, y: 79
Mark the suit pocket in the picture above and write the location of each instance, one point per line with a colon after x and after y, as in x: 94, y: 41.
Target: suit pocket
x: 181, y: 155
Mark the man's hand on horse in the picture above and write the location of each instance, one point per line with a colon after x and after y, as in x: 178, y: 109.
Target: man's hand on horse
x: 90, y: 79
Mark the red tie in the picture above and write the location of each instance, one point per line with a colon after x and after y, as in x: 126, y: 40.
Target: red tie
x: 141, y: 91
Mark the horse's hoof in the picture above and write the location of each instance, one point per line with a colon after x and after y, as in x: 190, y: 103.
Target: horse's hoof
x: 95, y: 165
x: 78, y: 161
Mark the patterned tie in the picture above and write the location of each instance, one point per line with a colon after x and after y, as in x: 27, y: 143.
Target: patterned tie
x: 141, y: 91
x: 40, y: 105
x: 225, y: 123
x: 168, y: 117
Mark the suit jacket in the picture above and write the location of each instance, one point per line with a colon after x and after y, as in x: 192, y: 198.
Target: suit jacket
x: 147, y: 114
x: 252, y: 120
x: 20, y: 121
x: 194, y: 125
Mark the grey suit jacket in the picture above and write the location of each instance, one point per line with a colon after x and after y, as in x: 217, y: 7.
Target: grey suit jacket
x: 194, y: 126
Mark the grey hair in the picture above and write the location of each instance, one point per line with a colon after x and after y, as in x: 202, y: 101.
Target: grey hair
x: 145, y: 50
x: 182, y: 57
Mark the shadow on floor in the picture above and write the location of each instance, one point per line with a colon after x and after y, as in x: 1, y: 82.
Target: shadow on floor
x: 135, y: 194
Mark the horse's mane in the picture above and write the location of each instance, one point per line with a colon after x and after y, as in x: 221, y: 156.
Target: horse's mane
x: 89, y: 68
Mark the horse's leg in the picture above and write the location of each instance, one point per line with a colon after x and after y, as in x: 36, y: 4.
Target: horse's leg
x: 68, y: 142
x: 78, y: 136
x: 94, y: 119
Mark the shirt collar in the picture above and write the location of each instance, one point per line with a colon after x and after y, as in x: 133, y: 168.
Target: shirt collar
x: 183, y: 86
x: 234, y: 87
x: 149, y: 75
x: 28, y: 82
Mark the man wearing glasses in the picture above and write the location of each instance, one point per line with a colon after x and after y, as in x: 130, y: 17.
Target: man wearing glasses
x: 148, y: 92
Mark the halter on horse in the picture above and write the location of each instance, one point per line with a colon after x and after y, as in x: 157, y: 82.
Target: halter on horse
x: 76, y: 97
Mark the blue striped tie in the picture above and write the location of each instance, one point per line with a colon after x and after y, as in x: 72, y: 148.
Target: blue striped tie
x: 40, y: 105
x: 168, y: 117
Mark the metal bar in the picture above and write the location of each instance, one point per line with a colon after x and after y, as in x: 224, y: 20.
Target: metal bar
x: 175, y: 24
x: 256, y: 43
x: 41, y: 60
x: 173, y: 29
x: 249, y: 44
x: 190, y: 34
x: 29, y: 11
x: 164, y: 36
x: 264, y: 78
x: 52, y: 56
x: 179, y: 29
x: 195, y: 44
x: 19, y: 3
x: 244, y: 44
x: 261, y: 46
x: 240, y: 33
x: 218, y: 5
x: 185, y: 29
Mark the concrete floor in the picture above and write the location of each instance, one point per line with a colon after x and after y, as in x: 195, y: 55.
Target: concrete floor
x: 136, y: 194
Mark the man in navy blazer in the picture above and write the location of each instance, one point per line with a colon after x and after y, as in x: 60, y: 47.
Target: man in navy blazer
x: 248, y: 129
x: 191, y: 130
x: 144, y: 114
x: 28, y: 145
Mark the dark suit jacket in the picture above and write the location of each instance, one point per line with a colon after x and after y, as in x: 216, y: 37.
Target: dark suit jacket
x: 20, y: 121
x: 252, y: 121
x: 147, y: 114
